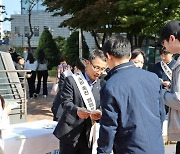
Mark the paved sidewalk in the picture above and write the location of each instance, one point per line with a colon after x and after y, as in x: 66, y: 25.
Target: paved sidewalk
x: 40, y: 108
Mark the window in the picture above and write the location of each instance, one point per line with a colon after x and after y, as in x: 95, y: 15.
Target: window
x: 46, y: 27
x: 26, y: 31
x: 36, y: 31
x: 17, y: 30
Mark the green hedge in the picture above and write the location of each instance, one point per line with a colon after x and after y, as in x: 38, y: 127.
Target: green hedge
x: 52, y: 73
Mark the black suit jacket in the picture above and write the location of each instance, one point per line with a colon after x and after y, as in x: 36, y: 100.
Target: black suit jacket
x: 70, y: 126
x: 56, y: 107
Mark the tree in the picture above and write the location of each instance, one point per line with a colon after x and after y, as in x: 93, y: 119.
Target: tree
x: 19, y: 50
x: 31, y: 4
x: 72, y: 48
x: 137, y: 18
x: 87, y: 15
x: 48, y: 45
x: 3, y: 11
x: 60, y: 42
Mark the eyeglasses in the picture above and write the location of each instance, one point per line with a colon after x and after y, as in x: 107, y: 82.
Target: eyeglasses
x: 97, y: 68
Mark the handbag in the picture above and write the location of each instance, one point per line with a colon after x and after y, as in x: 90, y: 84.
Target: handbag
x: 54, y: 89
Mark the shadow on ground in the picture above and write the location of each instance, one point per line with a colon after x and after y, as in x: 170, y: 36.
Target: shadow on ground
x: 40, y: 108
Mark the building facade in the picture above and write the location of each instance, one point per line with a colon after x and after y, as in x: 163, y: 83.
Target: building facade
x: 40, y: 20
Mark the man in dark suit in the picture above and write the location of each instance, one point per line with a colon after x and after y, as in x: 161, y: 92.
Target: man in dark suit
x: 56, y: 108
x: 132, y: 106
x: 167, y: 58
x: 75, y: 123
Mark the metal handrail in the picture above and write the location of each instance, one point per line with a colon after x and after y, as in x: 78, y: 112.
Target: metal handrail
x: 5, y: 71
x: 13, y: 88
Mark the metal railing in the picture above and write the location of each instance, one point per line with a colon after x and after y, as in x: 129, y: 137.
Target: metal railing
x: 13, y: 89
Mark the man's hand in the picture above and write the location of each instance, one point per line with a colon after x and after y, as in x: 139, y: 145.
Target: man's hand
x: 166, y: 83
x: 96, y: 115
x: 83, y: 113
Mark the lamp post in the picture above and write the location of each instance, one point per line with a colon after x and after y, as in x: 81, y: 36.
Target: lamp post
x: 80, y: 43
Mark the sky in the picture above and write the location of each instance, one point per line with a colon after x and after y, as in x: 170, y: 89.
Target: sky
x: 12, y: 7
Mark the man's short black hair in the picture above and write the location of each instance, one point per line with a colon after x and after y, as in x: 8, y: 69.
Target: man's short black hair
x: 117, y: 46
x: 170, y: 28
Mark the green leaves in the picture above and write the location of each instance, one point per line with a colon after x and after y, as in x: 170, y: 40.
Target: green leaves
x: 136, y: 17
x: 72, y: 48
x: 47, y: 44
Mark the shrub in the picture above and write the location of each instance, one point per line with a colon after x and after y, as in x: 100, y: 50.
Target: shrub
x: 52, y: 73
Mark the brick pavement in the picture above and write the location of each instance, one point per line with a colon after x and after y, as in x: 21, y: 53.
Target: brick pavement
x: 40, y: 108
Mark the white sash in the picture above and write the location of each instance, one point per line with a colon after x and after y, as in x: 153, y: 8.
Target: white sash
x: 166, y: 70
x: 85, y: 91
x: 90, y: 103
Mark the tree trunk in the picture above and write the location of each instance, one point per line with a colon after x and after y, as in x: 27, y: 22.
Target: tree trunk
x: 95, y: 39
x: 130, y: 38
x: 140, y: 41
x: 104, y: 38
x: 31, y: 31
